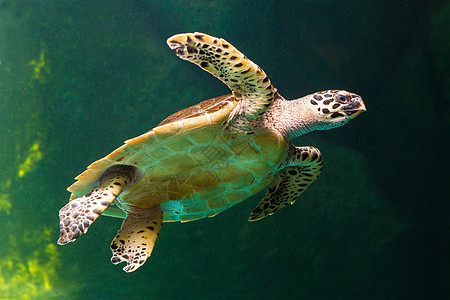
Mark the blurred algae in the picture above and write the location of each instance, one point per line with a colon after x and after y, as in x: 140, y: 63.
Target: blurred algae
x: 34, y: 156
x: 28, y: 268
x: 41, y: 69
x: 5, y: 201
x: 29, y: 258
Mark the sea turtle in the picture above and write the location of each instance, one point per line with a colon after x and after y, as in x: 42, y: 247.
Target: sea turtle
x: 206, y: 158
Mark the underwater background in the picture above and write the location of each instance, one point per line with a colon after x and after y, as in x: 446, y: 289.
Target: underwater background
x: 77, y: 78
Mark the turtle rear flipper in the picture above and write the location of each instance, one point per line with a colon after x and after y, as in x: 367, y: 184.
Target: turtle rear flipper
x: 77, y: 215
x: 134, y: 242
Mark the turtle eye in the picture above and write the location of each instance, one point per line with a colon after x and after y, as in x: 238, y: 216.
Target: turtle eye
x: 341, y: 98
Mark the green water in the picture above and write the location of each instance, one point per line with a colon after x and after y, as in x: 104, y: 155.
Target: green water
x: 77, y: 78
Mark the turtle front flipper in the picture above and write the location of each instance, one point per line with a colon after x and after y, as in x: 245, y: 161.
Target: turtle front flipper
x: 304, y: 165
x: 248, y: 82
x: 135, y: 240
x: 77, y: 215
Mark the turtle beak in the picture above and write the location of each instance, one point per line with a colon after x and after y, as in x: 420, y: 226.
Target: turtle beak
x: 355, y: 108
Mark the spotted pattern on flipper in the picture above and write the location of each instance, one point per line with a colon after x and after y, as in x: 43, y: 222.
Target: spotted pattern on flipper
x: 247, y: 80
x: 304, y: 166
x: 136, y: 238
x: 77, y: 215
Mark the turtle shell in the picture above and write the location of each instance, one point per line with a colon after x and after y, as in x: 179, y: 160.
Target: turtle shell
x: 194, y: 165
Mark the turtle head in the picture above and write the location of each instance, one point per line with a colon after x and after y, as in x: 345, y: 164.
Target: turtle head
x: 334, y: 108
x: 319, y: 111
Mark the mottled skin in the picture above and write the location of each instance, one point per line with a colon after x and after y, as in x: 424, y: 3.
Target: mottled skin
x: 202, y: 160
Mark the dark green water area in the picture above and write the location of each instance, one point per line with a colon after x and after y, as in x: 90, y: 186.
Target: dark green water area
x: 77, y: 78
